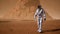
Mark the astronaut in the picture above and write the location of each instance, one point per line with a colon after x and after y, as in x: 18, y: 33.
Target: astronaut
x: 40, y: 14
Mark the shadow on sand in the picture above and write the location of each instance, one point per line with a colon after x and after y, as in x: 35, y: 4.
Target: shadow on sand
x: 5, y: 21
x: 53, y: 30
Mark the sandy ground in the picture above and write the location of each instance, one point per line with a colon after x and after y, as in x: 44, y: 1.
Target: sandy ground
x: 29, y: 27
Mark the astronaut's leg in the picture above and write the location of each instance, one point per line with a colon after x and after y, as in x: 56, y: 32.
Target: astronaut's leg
x: 39, y: 24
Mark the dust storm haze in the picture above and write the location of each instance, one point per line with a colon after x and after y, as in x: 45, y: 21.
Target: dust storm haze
x: 25, y: 9
x: 18, y: 9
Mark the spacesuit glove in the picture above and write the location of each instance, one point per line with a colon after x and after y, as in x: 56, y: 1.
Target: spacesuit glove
x: 45, y: 19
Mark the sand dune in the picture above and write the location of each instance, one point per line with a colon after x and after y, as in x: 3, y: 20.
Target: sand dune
x: 20, y: 9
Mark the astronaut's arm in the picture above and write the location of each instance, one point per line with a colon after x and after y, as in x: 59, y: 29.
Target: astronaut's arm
x: 44, y: 15
x: 35, y: 14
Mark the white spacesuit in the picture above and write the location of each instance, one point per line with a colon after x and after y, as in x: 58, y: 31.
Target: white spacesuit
x: 40, y: 16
